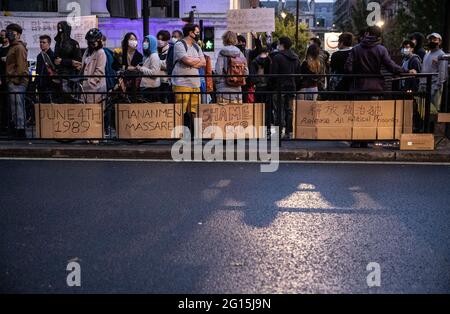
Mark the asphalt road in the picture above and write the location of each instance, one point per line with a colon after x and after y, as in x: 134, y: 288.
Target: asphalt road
x: 143, y: 227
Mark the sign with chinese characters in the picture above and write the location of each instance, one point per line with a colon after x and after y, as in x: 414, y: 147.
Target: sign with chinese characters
x: 33, y: 27
x: 251, y: 20
x: 352, y: 120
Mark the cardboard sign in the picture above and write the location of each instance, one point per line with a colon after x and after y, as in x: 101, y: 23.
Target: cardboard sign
x: 443, y: 117
x: 251, y: 20
x: 148, y: 121
x: 417, y: 142
x: 352, y: 120
x: 229, y: 117
x: 69, y: 121
x: 33, y: 27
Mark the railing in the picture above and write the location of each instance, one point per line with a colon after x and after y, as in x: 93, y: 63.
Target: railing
x: 268, y: 108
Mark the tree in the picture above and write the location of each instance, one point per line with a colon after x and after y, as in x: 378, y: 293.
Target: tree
x: 287, y: 27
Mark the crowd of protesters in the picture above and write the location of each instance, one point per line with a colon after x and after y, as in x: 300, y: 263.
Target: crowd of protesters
x: 172, y: 67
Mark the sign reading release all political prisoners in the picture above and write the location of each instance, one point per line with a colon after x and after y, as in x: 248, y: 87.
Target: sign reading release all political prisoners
x: 251, y: 20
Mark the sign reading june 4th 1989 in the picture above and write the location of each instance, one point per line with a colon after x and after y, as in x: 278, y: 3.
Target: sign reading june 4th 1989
x: 251, y: 20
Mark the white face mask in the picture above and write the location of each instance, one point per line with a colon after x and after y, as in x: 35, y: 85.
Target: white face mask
x: 406, y: 52
x: 132, y: 43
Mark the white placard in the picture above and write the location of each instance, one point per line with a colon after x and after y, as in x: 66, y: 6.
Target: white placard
x: 331, y: 42
x: 251, y: 20
x: 33, y: 27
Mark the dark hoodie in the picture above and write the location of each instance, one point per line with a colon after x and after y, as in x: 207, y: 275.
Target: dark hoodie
x: 257, y: 66
x: 285, y: 62
x: 368, y: 57
x: 16, y: 62
x: 418, y: 50
x: 67, y: 49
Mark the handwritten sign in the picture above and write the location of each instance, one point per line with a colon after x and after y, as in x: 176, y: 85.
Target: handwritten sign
x: 234, y: 120
x: 69, y: 121
x: 332, y: 42
x: 251, y: 20
x: 352, y: 120
x: 33, y: 27
x: 148, y: 121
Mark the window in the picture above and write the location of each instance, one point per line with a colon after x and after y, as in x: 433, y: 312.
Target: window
x: 30, y: 6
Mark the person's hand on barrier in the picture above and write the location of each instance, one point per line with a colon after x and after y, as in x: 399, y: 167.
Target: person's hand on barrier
x: 58, y: 61
x: 131, y: 68
x: 412, y: 71
x: 3, y: 59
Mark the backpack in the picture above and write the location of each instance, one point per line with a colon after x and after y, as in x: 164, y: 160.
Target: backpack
x: 170, y: 63
x: 235, y: 66
x: 109, y: 71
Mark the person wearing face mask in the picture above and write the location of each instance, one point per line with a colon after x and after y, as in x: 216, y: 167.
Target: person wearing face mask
x: 418, y: 39
x: 176, y: 36
x: 163, y: 37
x: 151, y: 66
x: 67, y: 55
x: 411, y: 61
x: 188, y: 58
x: 3, y: 85
x: 17, y: 65
x: 94, y: 63
x: 431, y: 64
x: 131, y: 58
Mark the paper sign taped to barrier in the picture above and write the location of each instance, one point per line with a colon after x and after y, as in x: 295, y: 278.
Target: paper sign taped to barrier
x: 148, y: 121
x: 233, y: 120
x: 69, y: 121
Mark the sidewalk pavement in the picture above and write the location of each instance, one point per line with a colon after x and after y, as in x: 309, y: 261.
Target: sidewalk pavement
x: 161, y: 150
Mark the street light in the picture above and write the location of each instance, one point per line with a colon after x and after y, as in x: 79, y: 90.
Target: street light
x: 380, y: 24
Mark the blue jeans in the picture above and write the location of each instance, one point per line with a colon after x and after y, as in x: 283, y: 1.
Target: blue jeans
x: 17, y: 104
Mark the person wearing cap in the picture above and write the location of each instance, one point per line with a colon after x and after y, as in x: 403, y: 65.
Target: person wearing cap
x: 431, y: 64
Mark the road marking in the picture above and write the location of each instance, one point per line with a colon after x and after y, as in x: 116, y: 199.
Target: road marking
x: 232, y: 161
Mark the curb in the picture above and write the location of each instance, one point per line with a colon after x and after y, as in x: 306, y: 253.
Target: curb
x: 164, y: 152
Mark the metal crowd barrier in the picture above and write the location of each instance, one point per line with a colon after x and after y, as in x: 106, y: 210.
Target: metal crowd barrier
x: 94, y: 115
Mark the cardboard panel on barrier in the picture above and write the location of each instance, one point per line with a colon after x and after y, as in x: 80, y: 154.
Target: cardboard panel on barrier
x: 148, y: 121
x: 323, y: 119
x: 229, y: 116
x: 69, y: 121
x: 352, y: 120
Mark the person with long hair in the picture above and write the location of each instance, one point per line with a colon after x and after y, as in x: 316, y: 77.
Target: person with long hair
x: 312, y: 65
x: 131, y: 57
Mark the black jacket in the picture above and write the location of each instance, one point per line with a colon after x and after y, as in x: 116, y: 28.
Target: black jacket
x: 43, y: 82
x: 285, y: 62
x: 255, y: 67
x: 67, y: 49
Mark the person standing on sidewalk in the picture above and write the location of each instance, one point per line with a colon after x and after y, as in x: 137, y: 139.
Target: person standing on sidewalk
x: 17, y: 70
x: 431, y: 64
x: 188, y: 58
x: 368, y: 58
x: 45, y: 67
x: 285, y: 62
x: 4, y: 112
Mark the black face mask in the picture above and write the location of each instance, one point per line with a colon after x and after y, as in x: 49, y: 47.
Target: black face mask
x: 196, y: 37
x: 432, y: 45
